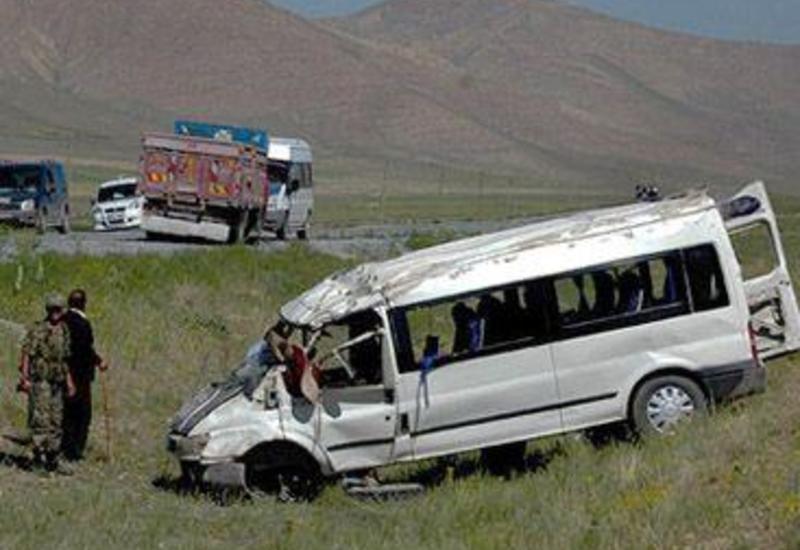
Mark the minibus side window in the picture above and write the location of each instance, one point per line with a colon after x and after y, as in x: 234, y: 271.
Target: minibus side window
x: 622, y: 294
x: 705, y: 278
x: 469, y: 326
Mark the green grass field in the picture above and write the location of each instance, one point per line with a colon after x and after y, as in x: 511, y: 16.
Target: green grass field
x: 169, y: 325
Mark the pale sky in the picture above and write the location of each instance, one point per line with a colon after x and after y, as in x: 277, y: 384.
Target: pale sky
x: 762, y: 20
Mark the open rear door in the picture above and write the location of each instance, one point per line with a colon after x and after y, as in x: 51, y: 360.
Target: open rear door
x: 755, y: 236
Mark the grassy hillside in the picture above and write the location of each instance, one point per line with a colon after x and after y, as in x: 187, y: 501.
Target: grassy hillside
x: 170, y: 325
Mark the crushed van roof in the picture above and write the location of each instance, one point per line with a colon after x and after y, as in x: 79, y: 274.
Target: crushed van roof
x: 407, y: 279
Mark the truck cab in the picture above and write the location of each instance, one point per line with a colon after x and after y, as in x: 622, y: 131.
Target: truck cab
x: 34, y: 194
x: 291, y: 198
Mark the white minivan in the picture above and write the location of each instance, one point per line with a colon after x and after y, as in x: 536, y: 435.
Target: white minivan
x: 291, y: 197
x: 634, y: 314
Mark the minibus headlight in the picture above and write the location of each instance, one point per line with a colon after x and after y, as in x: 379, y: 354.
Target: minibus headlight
x: 28, y: 205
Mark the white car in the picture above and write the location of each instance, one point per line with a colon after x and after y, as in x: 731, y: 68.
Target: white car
x: 118, y: 205
x: 636, y: 314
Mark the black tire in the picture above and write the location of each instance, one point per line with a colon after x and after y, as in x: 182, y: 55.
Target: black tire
x: 63, y: 225
x: 256, y: 227
x: 661, y: 403
x: 41, y: 221
x: 504, y: 459
x: 296, y: 478
x: 238, y: 229
x: 281, y: 232
x: 304, y: 233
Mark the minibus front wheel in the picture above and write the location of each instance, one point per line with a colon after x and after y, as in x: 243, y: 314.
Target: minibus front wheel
x: 663, y: 403
x: 284, y: 471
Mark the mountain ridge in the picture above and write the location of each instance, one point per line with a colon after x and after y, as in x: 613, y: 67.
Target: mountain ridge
x: 528, y: 86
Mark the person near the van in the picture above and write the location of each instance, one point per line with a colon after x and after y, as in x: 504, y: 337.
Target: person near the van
x: 82, y: 364
x: 45, y: 377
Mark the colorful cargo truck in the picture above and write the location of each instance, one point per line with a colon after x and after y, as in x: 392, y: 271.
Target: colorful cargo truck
x: 205, y: 181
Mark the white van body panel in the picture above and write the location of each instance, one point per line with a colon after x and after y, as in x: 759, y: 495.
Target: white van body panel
x: 447, y: 407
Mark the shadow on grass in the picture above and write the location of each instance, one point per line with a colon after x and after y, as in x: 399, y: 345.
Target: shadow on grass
x: 14, y: 460
x: 454, y: 468
x: 185, y: 486
x: 430, y: 476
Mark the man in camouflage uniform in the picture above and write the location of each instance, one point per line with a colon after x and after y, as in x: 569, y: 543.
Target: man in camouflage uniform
x: 45, y: 376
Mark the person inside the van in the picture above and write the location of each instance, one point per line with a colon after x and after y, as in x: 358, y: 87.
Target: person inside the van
x: 631, y: 293
x: 365, y: 357
x: 490, y: 311
x: 277, y: 339
x: 604, y: 294
x: 535, y: 319
x: 671, y: 281
x: 513, y: 315
x: 467, y: 329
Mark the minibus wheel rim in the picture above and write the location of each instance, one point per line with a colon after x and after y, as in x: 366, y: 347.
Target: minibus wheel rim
x: 668, y: 406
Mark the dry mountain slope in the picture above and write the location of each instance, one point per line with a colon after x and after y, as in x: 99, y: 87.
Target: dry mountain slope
x: 586, y: 90
x: 509, y: 84
x: 136, y: 63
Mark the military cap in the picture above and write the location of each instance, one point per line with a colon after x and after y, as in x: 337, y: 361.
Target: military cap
x: 55, y: 301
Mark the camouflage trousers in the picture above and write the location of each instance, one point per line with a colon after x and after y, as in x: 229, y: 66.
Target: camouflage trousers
x: 46, y: 416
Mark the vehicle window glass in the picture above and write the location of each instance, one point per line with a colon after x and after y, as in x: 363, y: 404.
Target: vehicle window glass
x: 621, y: 294
x: 349, y: 352
x: 278, y: 171
x: 118, y: 192
x: 483, y: 323
x: 295, y: 173
x: 20, y: 177
x: 705, y: 278
x: 755, y: 250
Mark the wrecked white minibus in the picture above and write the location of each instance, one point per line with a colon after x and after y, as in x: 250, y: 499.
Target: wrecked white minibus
x: 634, y: 314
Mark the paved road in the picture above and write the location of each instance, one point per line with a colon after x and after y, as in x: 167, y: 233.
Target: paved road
x: 371, y: 241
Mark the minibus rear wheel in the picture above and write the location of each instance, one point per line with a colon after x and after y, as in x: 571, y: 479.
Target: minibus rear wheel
x: 663, y: 403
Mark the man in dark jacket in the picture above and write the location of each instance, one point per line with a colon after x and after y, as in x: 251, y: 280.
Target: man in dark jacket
x: 82, y: 363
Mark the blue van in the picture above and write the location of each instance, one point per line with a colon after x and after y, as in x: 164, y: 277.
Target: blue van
x: 35, y: 194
